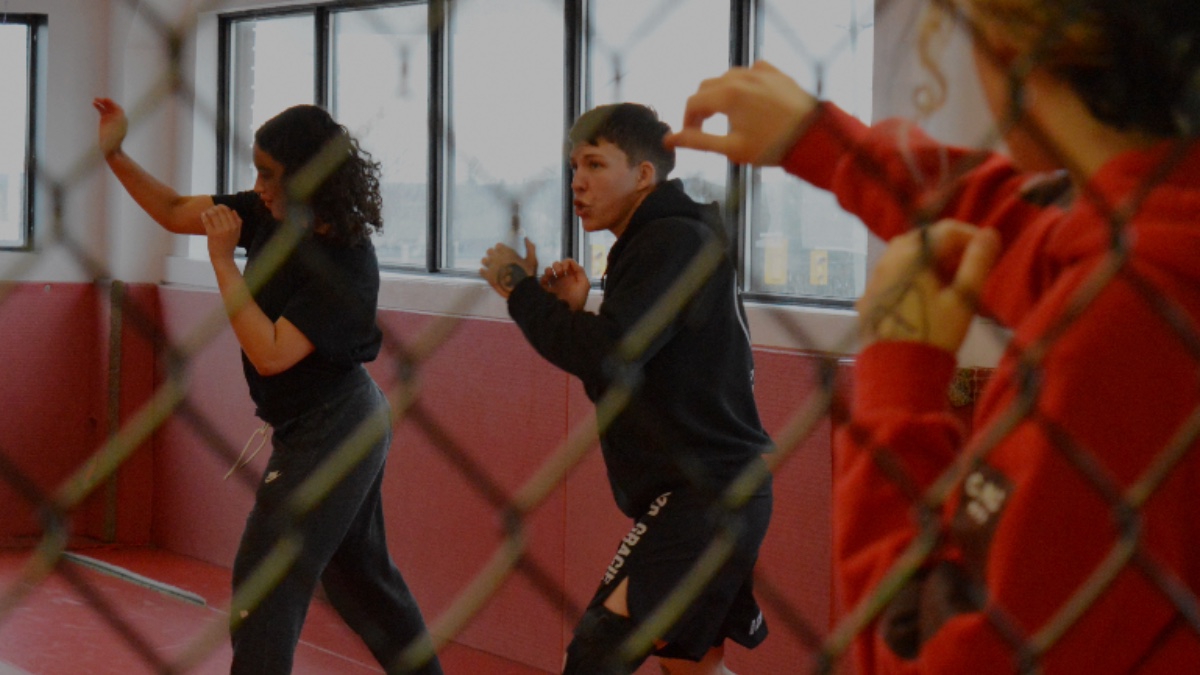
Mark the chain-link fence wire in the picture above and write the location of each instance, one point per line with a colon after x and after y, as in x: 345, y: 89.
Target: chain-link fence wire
x: 171, y: 399
x: 1125, y: 502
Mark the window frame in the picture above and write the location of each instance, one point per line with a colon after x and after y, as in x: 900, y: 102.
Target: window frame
x: 322, y: 14
x: 746, y: 21
x: 225, y: 25
x: 36, y: 26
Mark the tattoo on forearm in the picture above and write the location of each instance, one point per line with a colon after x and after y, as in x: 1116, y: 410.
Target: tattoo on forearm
x: 511, y: 275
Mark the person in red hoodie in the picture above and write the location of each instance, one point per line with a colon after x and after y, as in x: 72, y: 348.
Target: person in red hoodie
x: 1059, y: 534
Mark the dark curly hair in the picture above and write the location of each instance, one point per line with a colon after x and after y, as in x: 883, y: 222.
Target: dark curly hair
x: 1144, y: 73
x: 632, y: 127
x: 310, y: 145
x: 1134, y: 63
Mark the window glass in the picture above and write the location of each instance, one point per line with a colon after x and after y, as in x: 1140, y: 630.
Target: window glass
x: 655, y: 53
x: 500, y: 126
x: 14, y: 133
x: 800, y: 241
x: 380, y: 91
x: 273, y: 66
x: 505, y: 138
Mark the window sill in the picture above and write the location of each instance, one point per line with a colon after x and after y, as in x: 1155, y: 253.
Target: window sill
x: 783, y: 327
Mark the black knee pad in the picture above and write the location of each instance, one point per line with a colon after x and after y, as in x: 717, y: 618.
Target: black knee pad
x: 596, y: 647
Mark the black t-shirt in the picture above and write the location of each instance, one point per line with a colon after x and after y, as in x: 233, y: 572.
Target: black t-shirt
x: 328, y: 292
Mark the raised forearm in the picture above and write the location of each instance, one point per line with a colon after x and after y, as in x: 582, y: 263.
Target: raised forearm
x: 160, y: 201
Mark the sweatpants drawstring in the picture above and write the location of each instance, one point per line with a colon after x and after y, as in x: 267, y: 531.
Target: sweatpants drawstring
x: 261, y: 432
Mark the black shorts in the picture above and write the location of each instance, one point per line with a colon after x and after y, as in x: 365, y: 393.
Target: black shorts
x: 661, y: 549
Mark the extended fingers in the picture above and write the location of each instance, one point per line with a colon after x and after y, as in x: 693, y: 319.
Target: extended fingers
x: 500, y: 251
x: 714, y: 96
x: 718, y: 94
x: 695, y: 139
x: 711, y: 97
x: 766, y: 111
x: 531, y: 259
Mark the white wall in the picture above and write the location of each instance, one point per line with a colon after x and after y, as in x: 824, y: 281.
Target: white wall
x: 96, y: 48
x: 76, y: 68
x: 964, y: 119
x: 176, y: 141
x: 119, y: 49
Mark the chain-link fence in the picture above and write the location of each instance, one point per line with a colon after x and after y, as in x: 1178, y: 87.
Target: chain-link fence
x: 1127, y: 565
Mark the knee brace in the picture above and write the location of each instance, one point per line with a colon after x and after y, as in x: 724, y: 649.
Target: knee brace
x: 595, y: 649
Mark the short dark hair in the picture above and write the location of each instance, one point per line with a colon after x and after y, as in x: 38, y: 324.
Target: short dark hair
x: 632, y: 127
x: 348, y: 200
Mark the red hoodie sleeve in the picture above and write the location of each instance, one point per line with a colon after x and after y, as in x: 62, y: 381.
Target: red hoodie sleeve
x: 1041, y: 554
x: 1040, y: 527
x: 893, y: 176
x: 901, y: 438
x: 898, y: 440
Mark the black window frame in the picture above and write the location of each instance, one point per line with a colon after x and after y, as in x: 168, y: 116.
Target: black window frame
x: 746, y: 17
x: 37, y: 25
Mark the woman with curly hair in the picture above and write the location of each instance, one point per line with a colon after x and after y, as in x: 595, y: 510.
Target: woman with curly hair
x: 304, y: 316
x: 1059, y: 536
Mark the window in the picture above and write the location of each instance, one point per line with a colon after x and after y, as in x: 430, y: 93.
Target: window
x: 656, y: 54
x: 379, y: 81
x: 466, y: 103
x: 799, y: 242
x: 506, y: 113
x: 272, y: 67
x: 20, y: 37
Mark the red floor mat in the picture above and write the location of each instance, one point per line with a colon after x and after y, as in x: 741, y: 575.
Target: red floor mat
x: 154, y: 615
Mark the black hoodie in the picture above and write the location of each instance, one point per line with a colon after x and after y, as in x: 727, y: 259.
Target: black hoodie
x: 692, y: 420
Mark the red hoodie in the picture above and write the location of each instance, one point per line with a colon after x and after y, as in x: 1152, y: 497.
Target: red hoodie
x: 1067, y: 536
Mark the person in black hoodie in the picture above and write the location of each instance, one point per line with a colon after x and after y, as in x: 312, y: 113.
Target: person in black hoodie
x: 690, y: 425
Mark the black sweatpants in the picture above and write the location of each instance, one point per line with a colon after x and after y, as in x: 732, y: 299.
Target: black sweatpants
x: 342, y: 543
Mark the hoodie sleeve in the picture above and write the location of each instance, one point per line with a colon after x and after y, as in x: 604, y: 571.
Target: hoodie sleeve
x: 583, y: 343
x: 893, y: 175
x: 1033, y: 531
